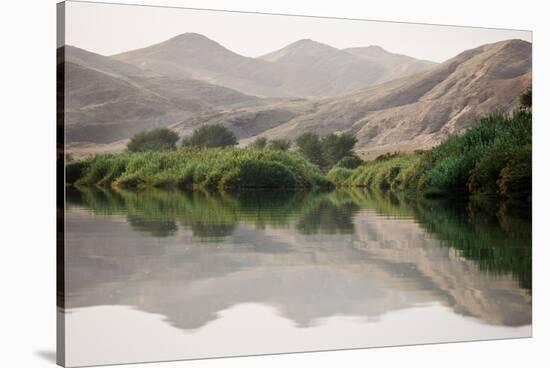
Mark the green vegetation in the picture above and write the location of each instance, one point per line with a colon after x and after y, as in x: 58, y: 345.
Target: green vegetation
x: 210, y: 136
x: 227, y: 168
x: 350, y: 162
x: 259, y: 143
x: 526, y: 99
x: 336, y: 147
x: 491, y: 159
x: 279, y: 144
x: 153, y: 140
x: 328, y: 150
x: 392, y: 173
x: 309, y: 146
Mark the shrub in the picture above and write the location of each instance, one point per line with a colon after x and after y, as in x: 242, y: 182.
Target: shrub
x: 279, y: 144
x: 211, y: 136
x: 388, y: 174
x: 335, y: 147
x: 153, y: 140
x: 326, y: 151
x: 483, y: 178
x: 259, y: 143
x: 309, y: 146
x: 515, y: 178
x: 350, y: 162
x: 258, y: 174
x: 339, y: 175
x: 75, y: 170
x: 526, y: 99
x: 386, y: 156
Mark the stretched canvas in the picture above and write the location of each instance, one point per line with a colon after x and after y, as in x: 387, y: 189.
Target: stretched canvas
x: 235, y: 183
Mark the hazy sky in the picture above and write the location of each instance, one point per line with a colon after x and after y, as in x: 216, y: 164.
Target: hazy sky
x: 110, y: 28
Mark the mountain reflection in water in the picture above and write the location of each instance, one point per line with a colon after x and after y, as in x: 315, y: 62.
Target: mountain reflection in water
x: 188, y: 256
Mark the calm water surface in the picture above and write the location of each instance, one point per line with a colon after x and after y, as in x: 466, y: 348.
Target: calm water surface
x: 163, y: 275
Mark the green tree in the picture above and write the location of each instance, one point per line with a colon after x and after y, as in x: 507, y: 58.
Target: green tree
x: 280, y: 144
x: 259, y: 143
x: 309, y: 146
x: 211, y: 136
x: 335, y: 147
x: 160, y: 139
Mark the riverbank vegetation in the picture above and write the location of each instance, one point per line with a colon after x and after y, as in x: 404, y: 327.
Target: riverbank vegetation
x: 216, y: 168
x: 492, y: 160
x: 327, y: 151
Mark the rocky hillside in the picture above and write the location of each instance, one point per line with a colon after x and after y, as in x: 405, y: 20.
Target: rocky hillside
x: 107, y: 100
x: 404, y: 114
x: 395, y: 65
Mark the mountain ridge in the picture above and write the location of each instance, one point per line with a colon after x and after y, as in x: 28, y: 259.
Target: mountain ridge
x: 412, y: 112
x: 318, y: 70
x: 107, y: 100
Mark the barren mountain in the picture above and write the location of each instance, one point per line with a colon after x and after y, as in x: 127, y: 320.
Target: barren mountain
x: 348, y: 70
x: 107, y: 100
x: 408, y: 113
x: 303, y: 69
x: 194, y: 55
x: 339, y: 71
x: 395, y: 65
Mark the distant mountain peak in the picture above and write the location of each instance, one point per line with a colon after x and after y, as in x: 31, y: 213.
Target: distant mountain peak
x: 190, y: 36
x: 307, y: 44
x: 297, y: 50
x: 193, y: 39
x: 375, y: 48
x: 304, y: 68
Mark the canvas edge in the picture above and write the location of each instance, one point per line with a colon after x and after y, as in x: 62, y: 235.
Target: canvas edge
x: 60, y: 184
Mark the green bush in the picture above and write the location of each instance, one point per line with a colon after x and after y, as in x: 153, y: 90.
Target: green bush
x: 309, y: 146
x: 339, y: 175
x: 350, y: 162
x: 259, y: 174
x: 259, y: 143
x: 483, y: 177
x: 337, y: 146
x: 75, y: 170
x: 154, y: 140
x: 390, y: 173
x: 210, y: 136
x: 515, y: 180
x: 279, y: 144
x: 326, y: 151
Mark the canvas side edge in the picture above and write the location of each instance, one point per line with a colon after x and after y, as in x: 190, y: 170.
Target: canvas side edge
x: 60, y: 184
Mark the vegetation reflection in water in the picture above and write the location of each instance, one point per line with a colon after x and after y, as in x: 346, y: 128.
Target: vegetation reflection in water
x: 498, y: 241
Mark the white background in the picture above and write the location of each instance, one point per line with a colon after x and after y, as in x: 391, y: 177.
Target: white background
x: 27, y: 182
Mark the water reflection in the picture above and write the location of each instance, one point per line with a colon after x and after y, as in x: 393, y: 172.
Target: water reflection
x: 310, y: 256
